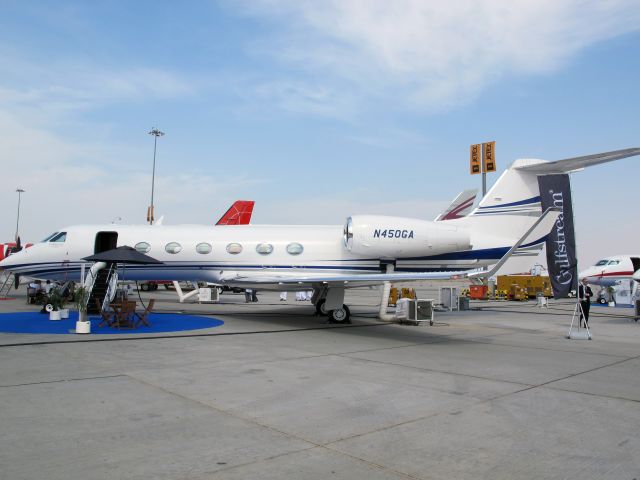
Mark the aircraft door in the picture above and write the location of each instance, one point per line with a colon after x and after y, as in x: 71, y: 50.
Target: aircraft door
x: 105, y: 241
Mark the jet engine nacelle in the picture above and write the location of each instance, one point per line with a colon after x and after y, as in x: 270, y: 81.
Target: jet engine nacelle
x: 398, y: 237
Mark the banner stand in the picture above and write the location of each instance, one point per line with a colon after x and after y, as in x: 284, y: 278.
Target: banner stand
x: 578, y: 333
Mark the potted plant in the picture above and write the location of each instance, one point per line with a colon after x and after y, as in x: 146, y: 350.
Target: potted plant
x: 64, y: 312
x: 81, y: 299
x: 612, y: 296
x: 56, y: 301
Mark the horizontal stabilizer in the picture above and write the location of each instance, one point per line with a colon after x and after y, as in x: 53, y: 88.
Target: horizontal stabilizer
x: 577, y: 163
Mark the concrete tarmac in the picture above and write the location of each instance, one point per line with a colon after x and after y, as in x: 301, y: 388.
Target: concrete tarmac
x: 277, y: 393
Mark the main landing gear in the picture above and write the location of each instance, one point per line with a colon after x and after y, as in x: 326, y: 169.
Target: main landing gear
x: 337, y: 315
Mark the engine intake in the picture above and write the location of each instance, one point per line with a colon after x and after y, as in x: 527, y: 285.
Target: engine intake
x: 399, y: 237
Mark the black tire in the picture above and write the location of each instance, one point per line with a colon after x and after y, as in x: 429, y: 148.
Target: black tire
x: 144, y: 287
x: 220, y: 290
x: 320, y: 310
x: 154, y: 287
x: 340, y: 315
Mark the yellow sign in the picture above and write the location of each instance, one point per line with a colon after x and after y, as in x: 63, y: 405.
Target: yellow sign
x: 489, y: 157
x: 475, y: 159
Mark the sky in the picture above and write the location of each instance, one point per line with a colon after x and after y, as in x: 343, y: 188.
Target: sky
x: 316, y: 110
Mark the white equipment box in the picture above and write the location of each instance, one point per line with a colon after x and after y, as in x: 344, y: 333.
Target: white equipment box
x: 208, y: 295
x: 449, y: 298
x: 415, y: 312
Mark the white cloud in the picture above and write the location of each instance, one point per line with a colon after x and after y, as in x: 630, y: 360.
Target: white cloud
x: 431, y: 54
x: 60, y: 87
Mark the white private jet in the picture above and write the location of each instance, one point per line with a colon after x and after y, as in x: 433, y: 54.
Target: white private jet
x: 612, y: 270
x: 367, y: 250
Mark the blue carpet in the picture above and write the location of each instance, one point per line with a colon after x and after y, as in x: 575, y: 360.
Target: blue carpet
x: 36, y: 322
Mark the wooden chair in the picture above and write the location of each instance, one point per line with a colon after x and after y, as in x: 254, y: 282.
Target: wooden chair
x: 124, y: 315
x: 142, y: 317
x: 107, y: 317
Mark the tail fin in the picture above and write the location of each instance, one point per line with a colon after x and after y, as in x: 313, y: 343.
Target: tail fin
x: 513, y: 203
x: 460, y: 206
x: 238, y: 214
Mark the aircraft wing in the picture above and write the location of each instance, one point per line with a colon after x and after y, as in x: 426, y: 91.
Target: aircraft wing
x: 460, y: 207
x: 539, y: 229
x: 578, y: 163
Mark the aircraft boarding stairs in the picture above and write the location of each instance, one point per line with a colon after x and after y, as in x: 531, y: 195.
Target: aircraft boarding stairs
x: 101, y: 281
x: 7, y: 280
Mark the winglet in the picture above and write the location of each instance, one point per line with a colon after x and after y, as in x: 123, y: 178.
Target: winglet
x: 539, y: 229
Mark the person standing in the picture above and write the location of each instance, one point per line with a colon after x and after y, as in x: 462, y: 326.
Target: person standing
x: 584, y: 295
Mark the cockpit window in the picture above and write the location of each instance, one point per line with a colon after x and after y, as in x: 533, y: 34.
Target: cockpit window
x: 59, y: 238
x: 602, y: 262
x: 614, y: 262
x: 50, y: 237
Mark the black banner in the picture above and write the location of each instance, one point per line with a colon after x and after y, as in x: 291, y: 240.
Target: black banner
x: 555, y: 191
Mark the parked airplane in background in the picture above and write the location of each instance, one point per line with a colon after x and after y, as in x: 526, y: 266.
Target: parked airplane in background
x: 7, y: 249
x: 367, y: 250
x: 238, y: 214
x: 460, y: 207
x: 612, y: 270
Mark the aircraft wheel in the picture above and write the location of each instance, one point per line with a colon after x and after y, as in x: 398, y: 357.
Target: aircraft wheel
x: 340, y: 315
x: 320, y: 310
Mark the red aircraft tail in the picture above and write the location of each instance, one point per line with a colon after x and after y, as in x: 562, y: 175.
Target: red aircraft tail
x: 238, y: 214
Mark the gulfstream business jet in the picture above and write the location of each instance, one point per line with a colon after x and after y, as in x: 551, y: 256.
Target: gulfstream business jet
x: 367, y: 250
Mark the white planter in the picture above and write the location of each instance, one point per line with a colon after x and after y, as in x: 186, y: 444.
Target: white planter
x: 54, y: 315
x: 83, y: 327
x: 64, y: 313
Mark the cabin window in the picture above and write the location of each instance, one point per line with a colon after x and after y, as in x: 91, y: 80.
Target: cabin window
x: 234, y: 248
x: 294, y: 248
x: 264, y: 248
x: 59, y: 238
x: 602, y: 262
x: 173, y: 247
x: 203, y: 248
x: 614, y: 262
x: 142, y: 247
x: 50, y: 237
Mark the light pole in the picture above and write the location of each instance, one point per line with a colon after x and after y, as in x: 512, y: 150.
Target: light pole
x: 20, y: 192
x: 156, y: 133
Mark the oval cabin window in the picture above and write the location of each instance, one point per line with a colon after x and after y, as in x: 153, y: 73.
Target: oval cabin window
x: 294, y: 248
x: 264, y: 248
x: 203, y: 248
x: 173, y: 247
x: 142, y: 247
x: 234, y: 248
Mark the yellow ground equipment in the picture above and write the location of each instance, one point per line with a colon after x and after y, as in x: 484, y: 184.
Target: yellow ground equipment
x: 395, y: 294
x: 521, y: 287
